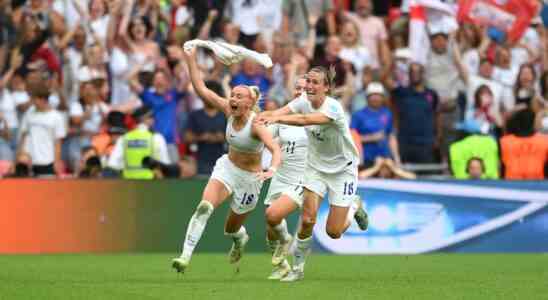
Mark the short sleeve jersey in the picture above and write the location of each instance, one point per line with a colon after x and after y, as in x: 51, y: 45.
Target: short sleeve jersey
x: 331, y: 148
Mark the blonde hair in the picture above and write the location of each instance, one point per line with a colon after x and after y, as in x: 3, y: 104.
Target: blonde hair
x: 255, y: 94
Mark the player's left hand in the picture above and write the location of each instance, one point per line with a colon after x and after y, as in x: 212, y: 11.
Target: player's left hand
x: 264, y: 175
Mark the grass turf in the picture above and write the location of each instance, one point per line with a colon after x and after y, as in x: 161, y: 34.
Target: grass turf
x: 149, y: 276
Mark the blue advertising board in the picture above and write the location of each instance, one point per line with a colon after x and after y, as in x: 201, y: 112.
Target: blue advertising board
x: 412, y: 217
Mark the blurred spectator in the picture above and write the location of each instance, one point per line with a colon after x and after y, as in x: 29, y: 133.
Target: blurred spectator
x: 92, y: 168
x: 358, y: 99
x: 475, y: 168
x: 255, y: 19
x: 484, y: 77
x: 98, y: 21
x: 86, y: 153
x: 22, y: 167
x: 541, y: 123
x: 373, y: 33
x: 252, y: 74
x: 374, y: 123
x: 353, y: 50
x: 484, y: 110
x: 505, y: 72
x: 472, y: 142
x: 331, y: 57
x: 206, y: 133
x: 131, y: 149
x: 68, y: 11
x: 143, y: 49
x: 523, y: 151
x: 385, y: 168
x: 470, y: 39
x: 418, y: 118
x: 86, y: 117
x: 525, y: 91
x: 9, y: 120
x: 104, y: 142
x: 72, y: 48
x: 296, y: 16
x: 543, y: 83
x: 442, y: 76
x: 162, y: 98
x: 42, y: 130
x: 402, y: 59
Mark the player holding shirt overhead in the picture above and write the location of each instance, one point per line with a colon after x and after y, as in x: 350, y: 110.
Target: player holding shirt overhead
x: 285, y: 193
x: 332, y: 163
x: 237, y: 173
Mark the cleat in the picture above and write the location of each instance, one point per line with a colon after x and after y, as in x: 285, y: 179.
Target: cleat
x: 361, y: 216
x: 281, y: 251
x: 180, y: 264
x: 280, y: 271
x: 294, y: 275
x: 237, y: 249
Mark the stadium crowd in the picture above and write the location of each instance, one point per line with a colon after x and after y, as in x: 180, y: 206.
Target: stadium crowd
x: 74, y: 72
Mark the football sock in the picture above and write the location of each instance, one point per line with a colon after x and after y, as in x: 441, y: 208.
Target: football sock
x: 196, y: 227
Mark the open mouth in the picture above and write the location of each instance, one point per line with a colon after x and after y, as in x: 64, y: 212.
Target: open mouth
x: 234, y: 107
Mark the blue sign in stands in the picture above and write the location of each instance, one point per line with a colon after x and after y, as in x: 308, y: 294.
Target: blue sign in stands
x: 412, y: 217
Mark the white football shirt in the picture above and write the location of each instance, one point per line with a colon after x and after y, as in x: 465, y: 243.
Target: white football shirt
x: 331, y: 148
x: 293, y: 143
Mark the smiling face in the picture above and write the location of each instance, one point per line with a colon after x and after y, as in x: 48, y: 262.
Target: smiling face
x: 240, y: 101
x: 375, y: 101
x: 526, y: 76
x: 475, y: 169
x: 349, y: 34
x: 89, y: 93
x: 97, y: 8
x: 316, y: 87
x: 160, y: 82
x: 94, y: 56
x: 138, y: 29
x: 333, y: 46
x: 79, y: 38
x: 439, y: 43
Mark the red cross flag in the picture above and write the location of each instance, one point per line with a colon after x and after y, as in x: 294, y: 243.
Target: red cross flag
x: 509, y: 16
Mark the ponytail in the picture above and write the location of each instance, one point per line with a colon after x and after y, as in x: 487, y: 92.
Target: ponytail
x: 255, y: 93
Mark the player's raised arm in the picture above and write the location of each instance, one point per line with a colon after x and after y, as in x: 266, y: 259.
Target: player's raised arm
x: 199, y: 84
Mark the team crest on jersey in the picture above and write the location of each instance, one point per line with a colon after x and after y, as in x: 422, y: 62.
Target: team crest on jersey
x: 333, y: 108
x: 318, y: 134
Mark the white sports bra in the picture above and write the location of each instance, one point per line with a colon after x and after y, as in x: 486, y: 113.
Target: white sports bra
x: 243, y: 140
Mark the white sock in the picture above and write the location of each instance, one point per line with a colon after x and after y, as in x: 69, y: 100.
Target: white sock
x: 281, y: 230
x: 238, y: 235
x: 352, y: 211
x: 301, y: 251
x: 271, y: 245
x: 196, y: 227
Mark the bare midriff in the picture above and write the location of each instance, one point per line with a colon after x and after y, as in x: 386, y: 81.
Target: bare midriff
x: 247, y: 161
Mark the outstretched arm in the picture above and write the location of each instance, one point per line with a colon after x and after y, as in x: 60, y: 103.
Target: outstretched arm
x: 285, y: 110
x: 316, y: 118
x: 199, y: 84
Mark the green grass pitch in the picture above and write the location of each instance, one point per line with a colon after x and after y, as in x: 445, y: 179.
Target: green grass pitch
x: 149, y: 276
